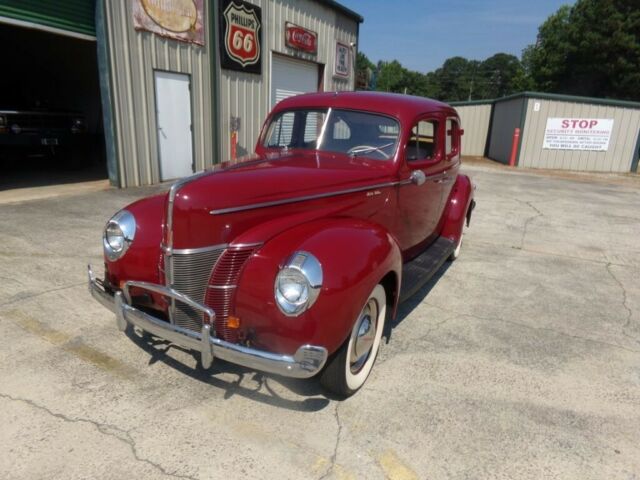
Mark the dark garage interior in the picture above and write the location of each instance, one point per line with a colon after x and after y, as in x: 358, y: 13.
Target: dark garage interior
x: 51, y: 128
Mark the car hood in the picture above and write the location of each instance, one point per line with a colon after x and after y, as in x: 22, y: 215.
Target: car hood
x: 237, y: 191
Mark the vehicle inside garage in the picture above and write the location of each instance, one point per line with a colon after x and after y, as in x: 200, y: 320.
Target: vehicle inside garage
x: 50, y: 110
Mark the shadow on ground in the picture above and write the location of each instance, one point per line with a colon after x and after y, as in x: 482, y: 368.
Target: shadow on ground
x: 315, y: 397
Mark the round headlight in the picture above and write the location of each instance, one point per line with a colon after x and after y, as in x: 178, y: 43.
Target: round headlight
x: 118, y: 234
x: 298, y: 283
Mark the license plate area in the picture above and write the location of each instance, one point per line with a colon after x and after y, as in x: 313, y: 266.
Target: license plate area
x: 49, y: 141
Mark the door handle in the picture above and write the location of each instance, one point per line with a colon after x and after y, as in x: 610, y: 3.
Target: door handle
x: 418, y: 177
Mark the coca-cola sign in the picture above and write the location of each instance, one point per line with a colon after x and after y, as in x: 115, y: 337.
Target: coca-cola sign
x: 300, y: 38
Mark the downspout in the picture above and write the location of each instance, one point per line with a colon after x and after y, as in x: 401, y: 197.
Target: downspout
x: 104, y: 74
x: 215, y: 86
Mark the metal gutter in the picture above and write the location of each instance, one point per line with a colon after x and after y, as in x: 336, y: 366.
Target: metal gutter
x: 551, y: 96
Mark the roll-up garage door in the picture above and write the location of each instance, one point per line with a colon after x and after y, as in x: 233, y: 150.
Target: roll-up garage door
x: 74, y: 16
x: 291, y: 77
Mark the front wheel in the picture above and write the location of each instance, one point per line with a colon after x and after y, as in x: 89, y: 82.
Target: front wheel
x: 350, y: 366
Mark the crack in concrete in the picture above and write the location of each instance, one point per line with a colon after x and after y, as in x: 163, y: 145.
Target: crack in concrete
x: 549, y: 254
x: 104, y: 428
x: 334, y: 456
x: 544, y: 329
x: 627, y: 322
x: 39, y: 294
x: 528, y: 221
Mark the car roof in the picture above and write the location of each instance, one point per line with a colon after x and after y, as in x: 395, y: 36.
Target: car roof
x: 404, y: 107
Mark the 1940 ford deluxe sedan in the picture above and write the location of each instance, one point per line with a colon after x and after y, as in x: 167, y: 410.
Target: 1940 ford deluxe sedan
x: 291, y: 260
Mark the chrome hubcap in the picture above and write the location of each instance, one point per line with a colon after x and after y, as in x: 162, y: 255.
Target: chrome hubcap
x: 362, y: 344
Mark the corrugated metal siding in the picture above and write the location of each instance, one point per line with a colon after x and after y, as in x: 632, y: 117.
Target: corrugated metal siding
x: 626, y: 125
x: 506, y: 117
x: 475, y: 120
x: 134, y: 56
x: 72, y: 15
x: 248, y: 96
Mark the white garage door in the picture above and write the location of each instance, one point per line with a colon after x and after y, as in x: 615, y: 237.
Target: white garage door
x: 292, y: 77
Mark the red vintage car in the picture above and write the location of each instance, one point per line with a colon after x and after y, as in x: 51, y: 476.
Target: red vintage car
x: 290, y: 261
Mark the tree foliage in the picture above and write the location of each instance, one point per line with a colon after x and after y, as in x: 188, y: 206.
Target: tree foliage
x: 592, y: 48
x: 457, y: 79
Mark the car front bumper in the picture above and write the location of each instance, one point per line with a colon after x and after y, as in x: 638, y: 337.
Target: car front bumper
x: 307, y: 361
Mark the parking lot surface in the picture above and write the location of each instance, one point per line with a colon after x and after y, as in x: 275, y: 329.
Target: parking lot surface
x: 521, y: 360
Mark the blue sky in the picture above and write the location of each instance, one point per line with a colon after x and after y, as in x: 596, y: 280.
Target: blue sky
x: 422, y: 34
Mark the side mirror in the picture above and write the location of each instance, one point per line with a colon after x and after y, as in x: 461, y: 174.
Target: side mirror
x: 418, y: 177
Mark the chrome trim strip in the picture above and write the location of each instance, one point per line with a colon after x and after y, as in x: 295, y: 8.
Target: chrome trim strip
x: 303, y: 198
x: 306, y: 362
x: 173, y: 192
x: 238, y: 246
x: 188, y: 251
x: 168, y: 248
x: 222, y: 287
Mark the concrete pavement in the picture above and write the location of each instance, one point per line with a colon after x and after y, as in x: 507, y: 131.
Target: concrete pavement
x: 520, y: 361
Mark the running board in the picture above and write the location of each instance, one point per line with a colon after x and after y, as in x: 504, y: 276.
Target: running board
x: 418, y: 271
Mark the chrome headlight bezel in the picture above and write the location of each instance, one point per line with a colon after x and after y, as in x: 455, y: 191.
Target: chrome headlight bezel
x: 302, y: 271
x: 118, y: 235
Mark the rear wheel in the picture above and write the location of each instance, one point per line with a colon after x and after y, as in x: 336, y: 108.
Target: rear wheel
x: 350, y: 366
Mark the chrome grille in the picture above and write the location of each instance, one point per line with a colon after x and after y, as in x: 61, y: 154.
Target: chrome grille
x: 190, y: 273
x: 222, y: 287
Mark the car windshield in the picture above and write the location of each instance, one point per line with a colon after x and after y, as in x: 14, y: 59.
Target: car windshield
x: 331, y: 130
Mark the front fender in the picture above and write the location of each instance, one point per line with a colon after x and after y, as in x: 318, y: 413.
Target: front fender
x: 355, y: 255
x: 457, y: 208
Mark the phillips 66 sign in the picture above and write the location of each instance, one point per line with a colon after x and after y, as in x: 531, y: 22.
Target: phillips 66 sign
x: 240, y: 36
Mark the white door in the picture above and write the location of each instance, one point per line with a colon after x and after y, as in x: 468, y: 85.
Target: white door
x: 291, y: 77
x: 173, y: 116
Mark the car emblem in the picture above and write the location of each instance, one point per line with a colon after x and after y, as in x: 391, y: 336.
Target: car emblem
x: 241, y: 36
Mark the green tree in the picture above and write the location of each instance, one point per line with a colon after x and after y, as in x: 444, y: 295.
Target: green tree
x: 592, y: 48
x: 499, y: 75
x: 456, y: 79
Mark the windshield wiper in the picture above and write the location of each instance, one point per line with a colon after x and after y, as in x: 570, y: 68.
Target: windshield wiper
x: 366, y: 149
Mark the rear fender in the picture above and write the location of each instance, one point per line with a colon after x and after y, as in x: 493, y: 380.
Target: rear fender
x: 355, y: 255
x: 458, y: 208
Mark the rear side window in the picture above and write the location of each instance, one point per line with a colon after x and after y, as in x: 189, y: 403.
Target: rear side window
x: 423, y: 142
x: 452, y: 146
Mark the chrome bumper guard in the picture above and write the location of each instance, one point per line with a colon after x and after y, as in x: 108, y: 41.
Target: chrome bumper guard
x: 306, y: 362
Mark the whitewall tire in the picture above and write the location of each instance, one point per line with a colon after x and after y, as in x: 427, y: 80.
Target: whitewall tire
x: 352, y: 363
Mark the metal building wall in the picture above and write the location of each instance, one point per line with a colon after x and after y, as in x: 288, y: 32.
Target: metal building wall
x: 507, y: 115
x: 133, y: 56
x: 475, y: 120
x: 622, y: 145
x: 247, y: 96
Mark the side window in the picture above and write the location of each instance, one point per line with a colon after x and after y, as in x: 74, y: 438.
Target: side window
x: 422, y: 144
x: 452, y: 138
x: 281, y: 131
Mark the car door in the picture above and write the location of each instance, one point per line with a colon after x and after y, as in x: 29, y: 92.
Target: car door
x: 420, y: 193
